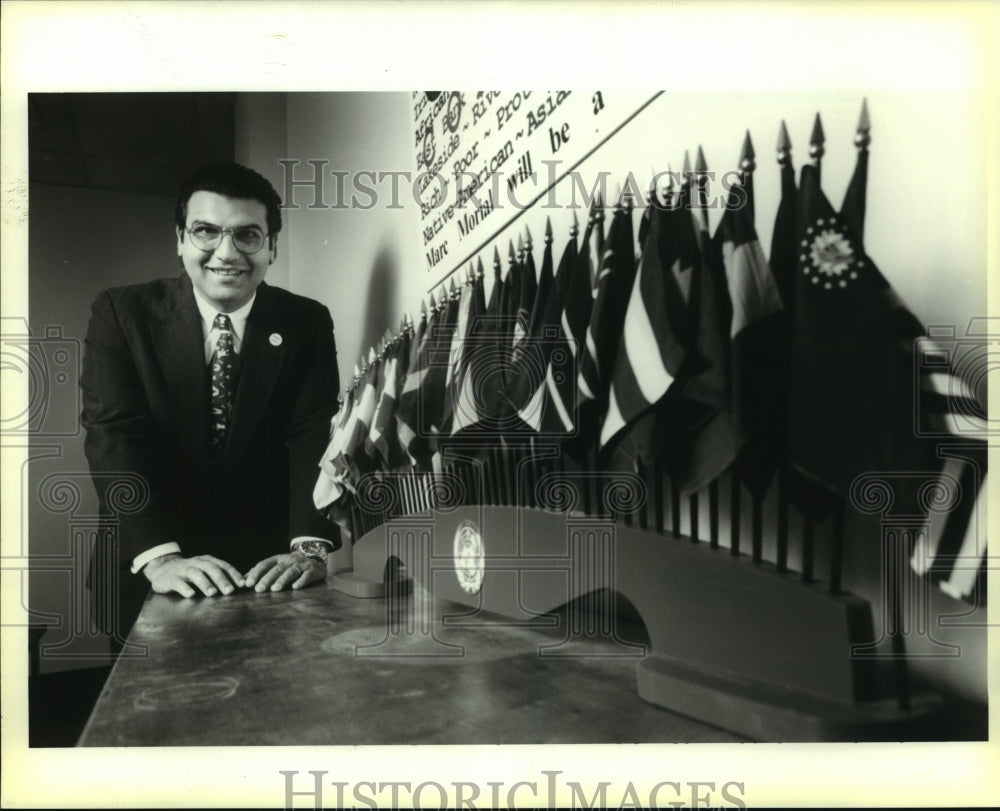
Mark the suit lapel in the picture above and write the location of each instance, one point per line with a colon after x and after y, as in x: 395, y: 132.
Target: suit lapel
x: 262, y: 355
x: 180, y: 348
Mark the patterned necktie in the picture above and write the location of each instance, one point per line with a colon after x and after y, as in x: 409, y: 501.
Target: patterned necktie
x: 222, y: 368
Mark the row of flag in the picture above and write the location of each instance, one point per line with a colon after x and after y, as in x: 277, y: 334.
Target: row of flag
x: 684, y: 349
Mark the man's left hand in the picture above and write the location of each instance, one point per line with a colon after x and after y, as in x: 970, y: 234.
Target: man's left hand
x: 281, y: 571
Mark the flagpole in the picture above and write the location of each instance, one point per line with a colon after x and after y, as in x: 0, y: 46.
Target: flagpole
x: 757, y: 528
x: 784, y: 159
x: 816, y: 149
x: 643, y: 518
x: 693, y: 505
x: 808, y: 546
x: 658, y: 506
x: 734, y: 515
x: 675, y: 507
x: 713, y: 514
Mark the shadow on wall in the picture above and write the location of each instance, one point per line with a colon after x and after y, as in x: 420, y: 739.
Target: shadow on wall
x: 382, y: 283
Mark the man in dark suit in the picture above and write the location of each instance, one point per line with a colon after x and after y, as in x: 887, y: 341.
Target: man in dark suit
x: 216, y: 391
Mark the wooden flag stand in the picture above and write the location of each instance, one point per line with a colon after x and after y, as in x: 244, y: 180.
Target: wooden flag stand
x: 733, y: 642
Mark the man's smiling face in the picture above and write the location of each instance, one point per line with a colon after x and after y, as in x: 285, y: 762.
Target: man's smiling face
x: 225, y: 276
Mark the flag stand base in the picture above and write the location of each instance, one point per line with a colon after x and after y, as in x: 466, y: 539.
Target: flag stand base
x: 766, y: 713
x: 734, y: 643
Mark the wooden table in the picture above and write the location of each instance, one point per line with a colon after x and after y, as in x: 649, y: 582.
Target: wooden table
x: 313, y: 667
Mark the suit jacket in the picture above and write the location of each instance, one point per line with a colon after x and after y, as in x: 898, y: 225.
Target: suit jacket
x: 145, y: 387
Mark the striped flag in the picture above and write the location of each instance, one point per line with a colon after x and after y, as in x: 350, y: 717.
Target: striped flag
x: 559, y: 412
x: 459, y: 339
x: 383, y: 438
x: 408, y: 410
x: 329, y: 484
x: 952, y: 550
x: 532, y: 381
x: 756, y: 332
x: 432, y: 386
x: 353, y: 458
x: 614, y: 285
x: 466, y: 408
x: 650, y: 354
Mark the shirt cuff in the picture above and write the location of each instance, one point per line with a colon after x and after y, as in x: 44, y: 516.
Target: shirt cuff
x: 296, y: 541
x: 151, y: 554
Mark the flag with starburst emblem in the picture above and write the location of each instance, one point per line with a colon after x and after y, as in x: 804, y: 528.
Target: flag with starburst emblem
x: 849, y: 381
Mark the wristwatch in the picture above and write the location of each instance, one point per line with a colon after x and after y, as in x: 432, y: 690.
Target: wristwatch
x: 317, y: 550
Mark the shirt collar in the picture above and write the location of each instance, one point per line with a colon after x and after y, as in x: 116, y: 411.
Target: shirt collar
x: 208, y: 313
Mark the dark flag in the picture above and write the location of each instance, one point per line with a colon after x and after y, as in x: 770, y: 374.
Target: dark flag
x: 784, y: 238
x: 528, y: 293
x: 847, y: 379
x: 545, y: 279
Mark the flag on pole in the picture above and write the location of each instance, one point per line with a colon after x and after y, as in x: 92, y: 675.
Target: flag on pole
x: 383, y: 436
x: 467, y: 408
x: 756, y: 334
x: 614, y: 286
x: 651, y: 353
x: 561, y: 396
x: 528, y: 293
x: 850, y: 383
x: 530, y: 384
x: 408, y: 410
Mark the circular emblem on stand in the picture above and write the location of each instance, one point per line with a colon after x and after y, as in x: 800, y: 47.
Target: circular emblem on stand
x: 470, y: 553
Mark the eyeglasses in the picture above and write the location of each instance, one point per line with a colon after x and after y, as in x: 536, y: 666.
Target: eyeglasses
x: 208, y: 237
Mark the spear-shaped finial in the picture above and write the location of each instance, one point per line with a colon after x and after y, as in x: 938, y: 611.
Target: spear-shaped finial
x: 598, y: 208
x: 670, y: 176
x: 617, y: 206
x: 747, y: 155
x: 527, y: 239
x: 548, y: 231
x: 452, y: 290
x: 479, y: 268
x: 816, y: 141
x: 511, y: 255
x: 496, y: 261
x: 784, y: 147
x: 520, y: 248
x: 686, y: 169
x: 863, y: 135
x: 372, y: 357
x: 574, y: 229
x: 470, y: 274
x: 433, y: 307
x: 700, y: 165
x: 357, y: 374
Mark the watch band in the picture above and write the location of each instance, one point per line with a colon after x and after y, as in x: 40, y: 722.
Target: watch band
x: 317, y: 550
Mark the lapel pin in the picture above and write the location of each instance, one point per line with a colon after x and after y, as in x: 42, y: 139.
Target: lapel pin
x: 275, y: 339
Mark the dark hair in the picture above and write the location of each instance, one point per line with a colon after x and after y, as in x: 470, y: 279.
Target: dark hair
x: 232, y: 180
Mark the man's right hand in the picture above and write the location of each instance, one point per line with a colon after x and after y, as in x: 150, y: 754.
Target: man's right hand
x: 188, y: 577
